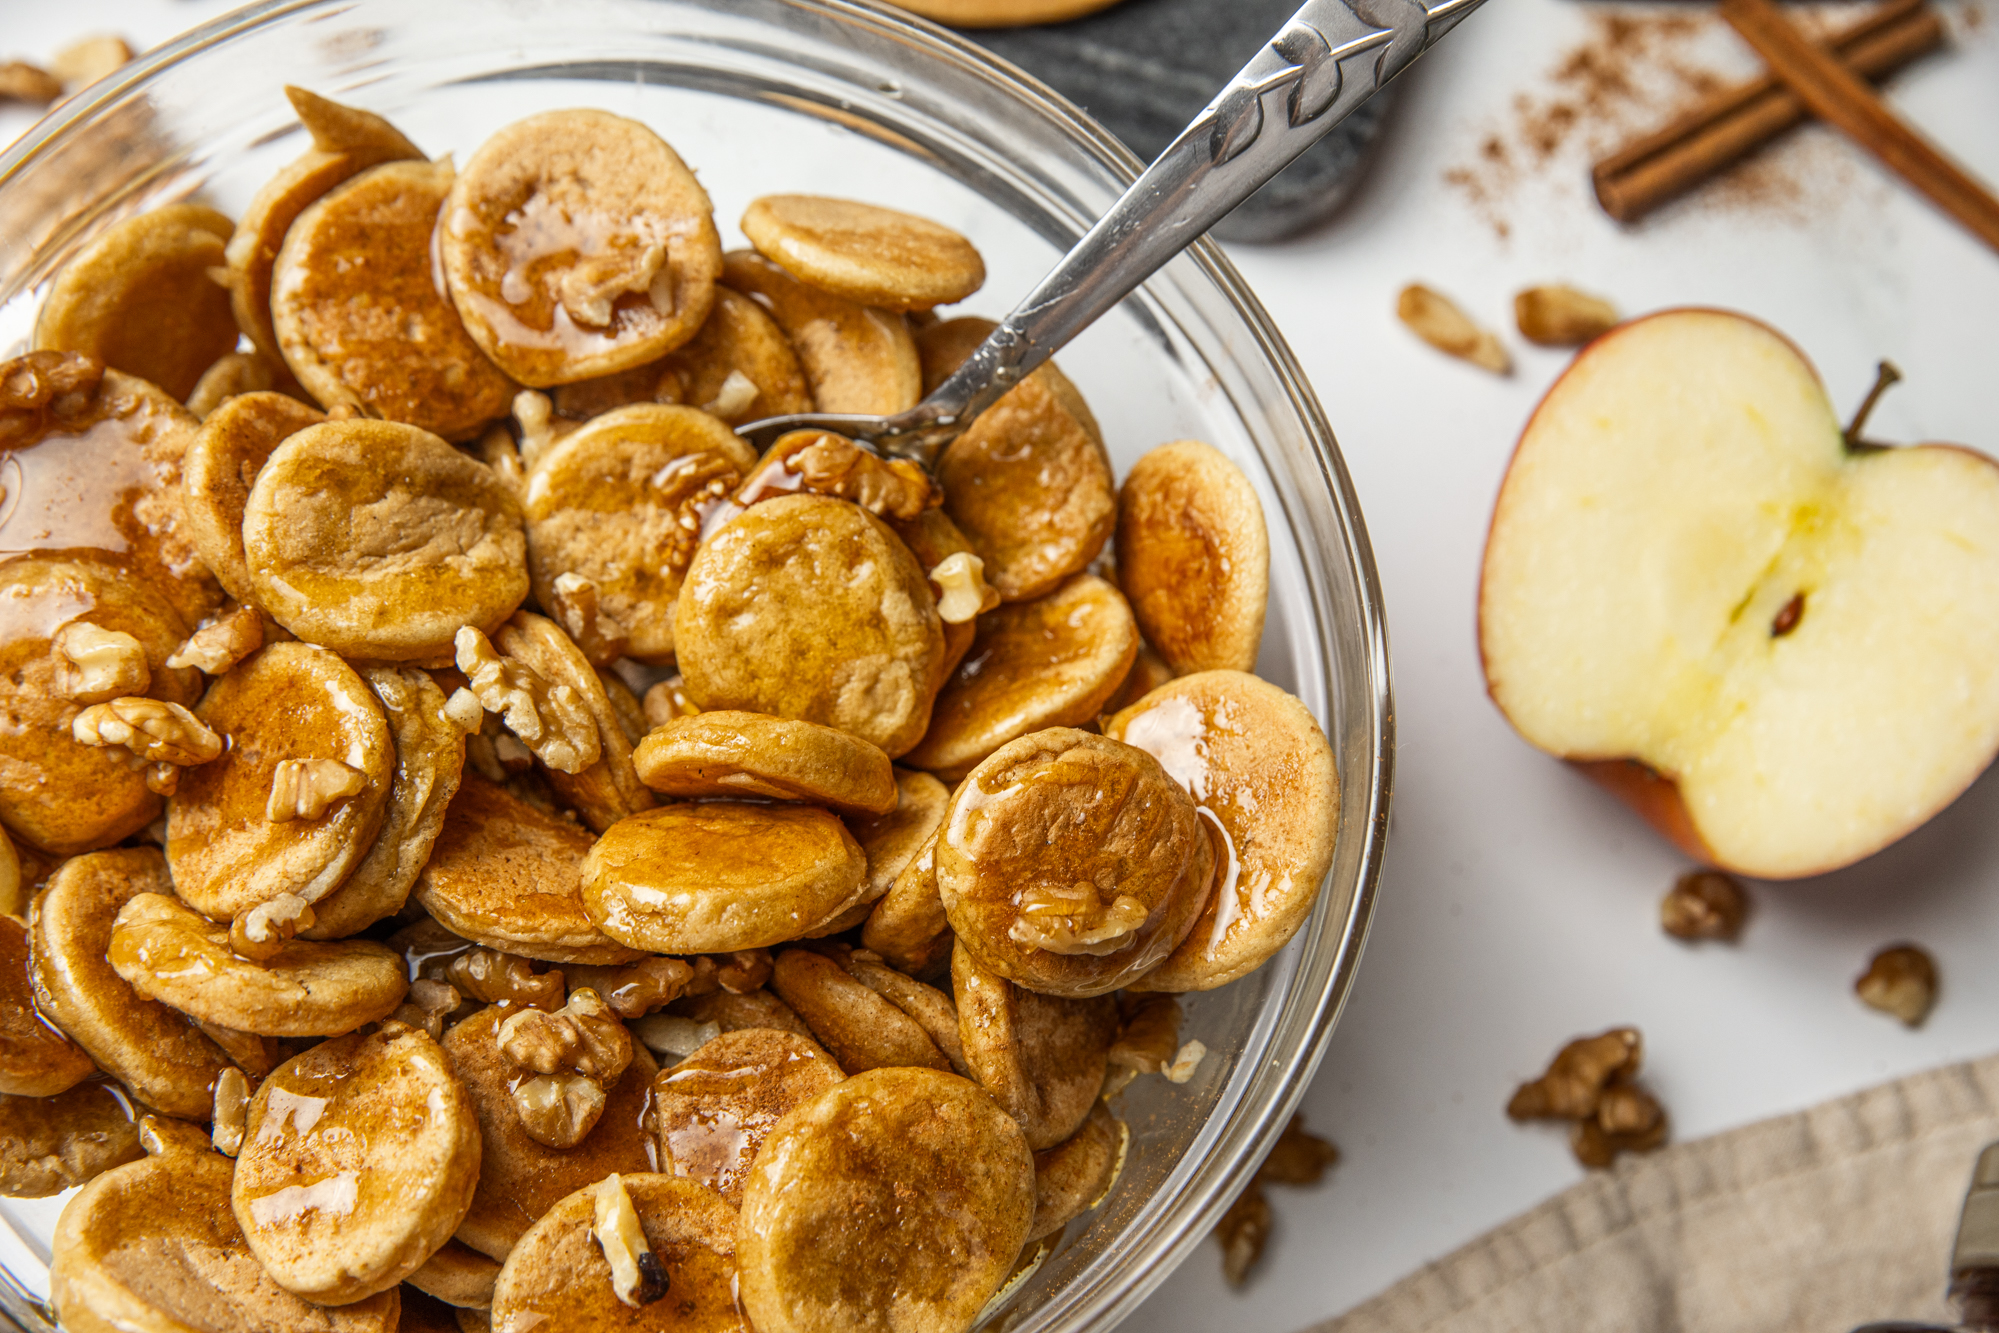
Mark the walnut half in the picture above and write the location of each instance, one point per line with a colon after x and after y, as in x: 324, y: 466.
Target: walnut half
x: 221, y: 643
x: 577, y: 1052
x: 156, y: 732
x: 94, y: 664
x: 550, y: 719
x: 306, y: 788
x: 1591, y: 1085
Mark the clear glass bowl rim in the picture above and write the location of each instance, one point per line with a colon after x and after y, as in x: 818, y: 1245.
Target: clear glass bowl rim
x: 1113, y: 1294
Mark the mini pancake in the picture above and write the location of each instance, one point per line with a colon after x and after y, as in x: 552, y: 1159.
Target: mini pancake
x: 608, y: 502
x: 1148, y: 672
x: 430, y: 758
x: 151, y: 1049
x: 288, y: 701
x: 1072, y: 864
x: 380, y: 540
x: 359, y: 1160
x: 139, y: 298
x: 733, y: 1013
x: 222, y: 464
x: 1073, y: 1177
x: 711, y: 1111
x: 180, y: 958
x: 153, y: 1245
x: 506, y: 875
x: 576, y: 244
x: 895, y: 1200
x: 518, y: 1178
x: 51, y: 1144
x: 932, y: 1009
x: 1042, y: 1057
x: 1029, y: 483
x: 360, y: 318
x: 871, y: 255
x: 345, y: 142
x: 861, y: 1029
x: 1052, y: 662
x: 1260, y: 768
x: 558, y: 1274
x: 737, y: 339
x: 933, y: 538
x: 810, y: 607
x: 609, y: 789
x: 625, y: 705
x: 856, y: 358
x: 908, y: 926
x: 718, y: 876
x: 95, y: 464
x: 36, y: 1059
x: 56, y: 794
x: 892, y: 840
x: 457, y: 1275
x: 729, y: 753
x: 1193, y: 557
x: 231, y: 375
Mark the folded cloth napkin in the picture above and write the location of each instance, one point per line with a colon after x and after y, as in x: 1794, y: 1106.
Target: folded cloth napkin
x: 1809, y: 1223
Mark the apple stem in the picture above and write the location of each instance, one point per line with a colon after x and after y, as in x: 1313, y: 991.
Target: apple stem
x: 1885, y: 374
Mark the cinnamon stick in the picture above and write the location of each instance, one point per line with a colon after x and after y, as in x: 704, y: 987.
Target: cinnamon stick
x: 1733, y: 123
x: 1837, y: 96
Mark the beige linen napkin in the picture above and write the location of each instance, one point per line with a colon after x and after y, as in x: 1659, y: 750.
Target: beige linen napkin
x: 1809, y: 1223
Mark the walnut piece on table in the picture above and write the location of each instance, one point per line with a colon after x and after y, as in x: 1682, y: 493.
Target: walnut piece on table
x: 1297, y: 1158
x: 1591, y: 1083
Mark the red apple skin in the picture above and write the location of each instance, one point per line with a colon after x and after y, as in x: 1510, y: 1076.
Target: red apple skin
x: 1653, y: 796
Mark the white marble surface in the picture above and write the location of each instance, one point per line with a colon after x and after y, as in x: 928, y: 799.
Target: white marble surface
x: 1518, y: 907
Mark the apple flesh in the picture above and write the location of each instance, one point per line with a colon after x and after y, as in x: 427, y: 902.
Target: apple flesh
x: 1783, y: 653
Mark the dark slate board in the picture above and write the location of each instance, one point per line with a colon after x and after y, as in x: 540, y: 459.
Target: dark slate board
x: 1147, y: 67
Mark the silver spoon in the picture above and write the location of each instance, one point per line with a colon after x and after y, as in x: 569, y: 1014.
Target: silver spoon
x: 1329, y: 58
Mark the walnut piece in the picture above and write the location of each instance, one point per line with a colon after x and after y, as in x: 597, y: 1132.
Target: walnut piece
x: 890, y: 487
x: 667, y: 701
x: 559, y: 1110
x: 492, y: 977
x: 262, y: 932
x: 154, y: 731
x: 232, y: 1107
x: 22, y: 82
x: 552, y: 721
x: 583, y: 1037
x: 962, y: 590
x: 1704, y: 905
x: 1558, y: 316
x: 578, y: 610
x: 94, y: 664
x: 1901, y: 980
x: 1185, y: 1062
x: 428, y: 1004
x: 674, y: 1035
x: 1436, y: 319
x: 464, y: 711
x: 1073, y: 920
x: 734, y: 398
x: 1148, y: 1039
x: 307, y: 788
x: 221, y: 643
x: 1591, y: 1085
x: 540, y: 427
x: 637, y: 990
x: 89, y: 60
x: 1297, y: 1158
x: 637, y: 1276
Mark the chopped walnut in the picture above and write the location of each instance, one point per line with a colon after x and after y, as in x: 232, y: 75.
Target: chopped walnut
x: 262, y: 932
x: 667, y: 701
x: 307, y: 788
x: 962, y: 590
x: 1298, y: 1157
x: 464, y: 711
x: 1590, y: 1084
x: 1704, y: 905
x: 583, y: 1037
x: 829, y: 464
x: 428, y: 1004
x: 540, y: 427
x: 1437, y: 320
x: 550, y: 719
x: 637, y: 990
x: 588, y: 288
x: 87, y: 61
x: 559, y: 1110
x: 1185, y: 1062
x: 492, y: 977
x: 1148, y: 1039
x: 674, y: 1035
x: 497, y: 451
x: 22, y: 82
x: 577, y: 609
x: 232, y: 1107
x: 162, y: 779
x: 1901, y: 980
x: 156, y: 732
x: 1558, y: 316
x: 735, y: 398
x: 94, y: 664
x: 637, y: 1276
x: 1074, y: 920
x: 221, y: 643
x: 40, y: 385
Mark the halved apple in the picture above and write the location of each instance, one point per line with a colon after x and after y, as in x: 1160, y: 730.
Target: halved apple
x: 1782, y: 652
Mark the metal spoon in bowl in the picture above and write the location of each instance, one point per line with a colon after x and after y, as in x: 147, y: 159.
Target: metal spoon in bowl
x: 1329, y: 58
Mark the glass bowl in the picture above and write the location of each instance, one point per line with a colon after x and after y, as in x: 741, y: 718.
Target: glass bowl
x: 823, y: 96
